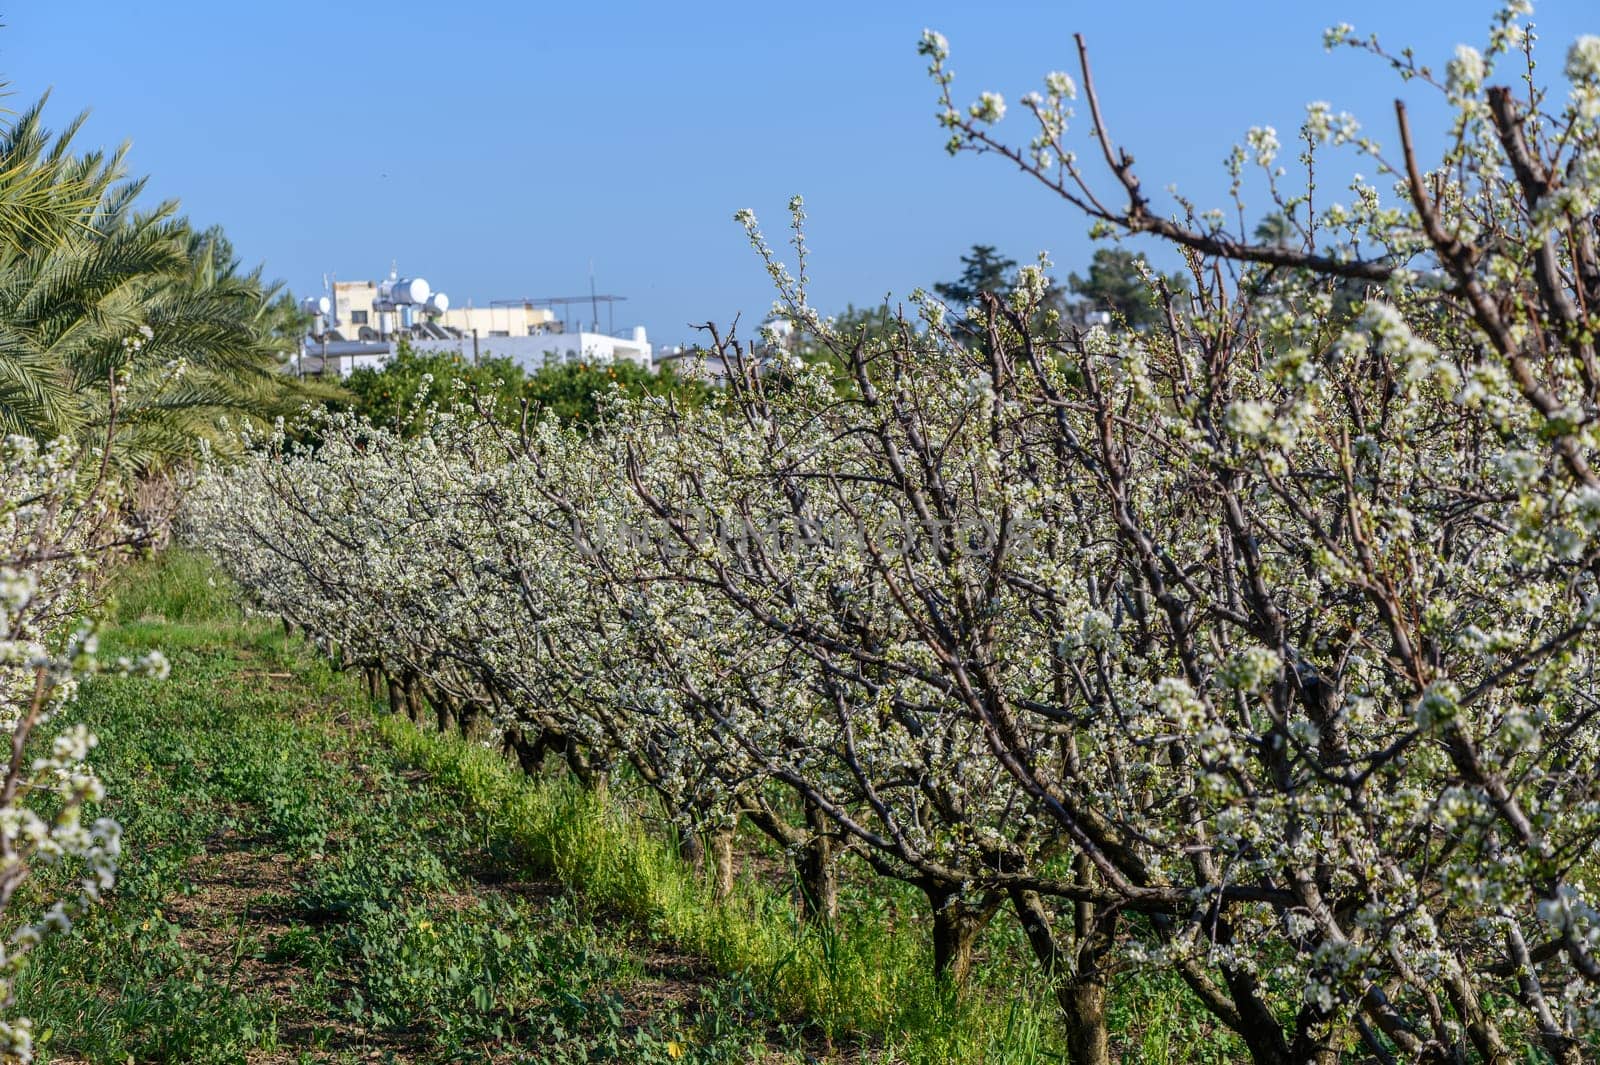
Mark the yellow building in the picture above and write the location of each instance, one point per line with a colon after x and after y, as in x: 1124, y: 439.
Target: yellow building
x: 360, y: 312
x: 516, y: 320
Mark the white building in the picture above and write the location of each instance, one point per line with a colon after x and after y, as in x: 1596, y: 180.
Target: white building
x: 543, y: 349
x: 531, y: 353
x: 361, y: 323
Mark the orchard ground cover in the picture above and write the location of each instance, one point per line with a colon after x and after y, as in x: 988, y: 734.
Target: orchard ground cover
x: 300, y: 893
x: 315, y: 880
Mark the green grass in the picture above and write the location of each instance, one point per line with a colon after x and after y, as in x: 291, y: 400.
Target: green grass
x: 869, y: 979
x: 861, y: 981
x: 293, y: 887
x: 414, y: 897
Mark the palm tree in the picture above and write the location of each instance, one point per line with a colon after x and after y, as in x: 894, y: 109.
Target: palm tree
x: 122, y: 323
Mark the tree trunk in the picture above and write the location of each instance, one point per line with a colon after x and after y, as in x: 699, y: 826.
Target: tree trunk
x: 444, y: 711
x: 1318, y: 1040
x: 692, y: 850
x: 396, y: 702
x: 722, y: 863
x: 530, y: 754
x: 815, y: 870
x: 1260, y: 1029
x: 1084, y: 1005
x: 1076, y: 978
x: 472, y: 719
x: 413, y: 701
x: 592, y: 776
x: 815, y: 876
x: 955, y: 933
x: 1481, y: 1030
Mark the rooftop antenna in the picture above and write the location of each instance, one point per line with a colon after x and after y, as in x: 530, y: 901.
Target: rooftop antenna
x: 567, y: 305
x: 594, y: 300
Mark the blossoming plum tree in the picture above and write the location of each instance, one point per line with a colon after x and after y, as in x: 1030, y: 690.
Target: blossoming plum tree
x: 1345, y: 607
x: 57, y: 524
x: 1258, y: 646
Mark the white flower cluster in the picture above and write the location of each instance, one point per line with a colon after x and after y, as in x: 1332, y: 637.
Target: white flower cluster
x: 991, y: 108
x: 1323, y: 124
x: 1465, y: 72
x: 1583, y: 59
x: 1263, y: 141
x: 54, y: 521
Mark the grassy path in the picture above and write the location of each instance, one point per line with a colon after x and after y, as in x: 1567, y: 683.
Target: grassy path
x: 295, y: 890
x: 309, y: 879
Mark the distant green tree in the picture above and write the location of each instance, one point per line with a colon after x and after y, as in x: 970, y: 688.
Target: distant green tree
x: 982, y: 270
x: 1276, y: 229
x: 986, y: 270
x: 573, y: 390
x: 1116, y: 283
x: 396, y: 395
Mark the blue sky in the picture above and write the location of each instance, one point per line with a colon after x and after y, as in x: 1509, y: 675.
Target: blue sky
x: 496, y: 147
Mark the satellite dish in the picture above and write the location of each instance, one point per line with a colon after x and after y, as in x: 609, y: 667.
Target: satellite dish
x: 316, y: 305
